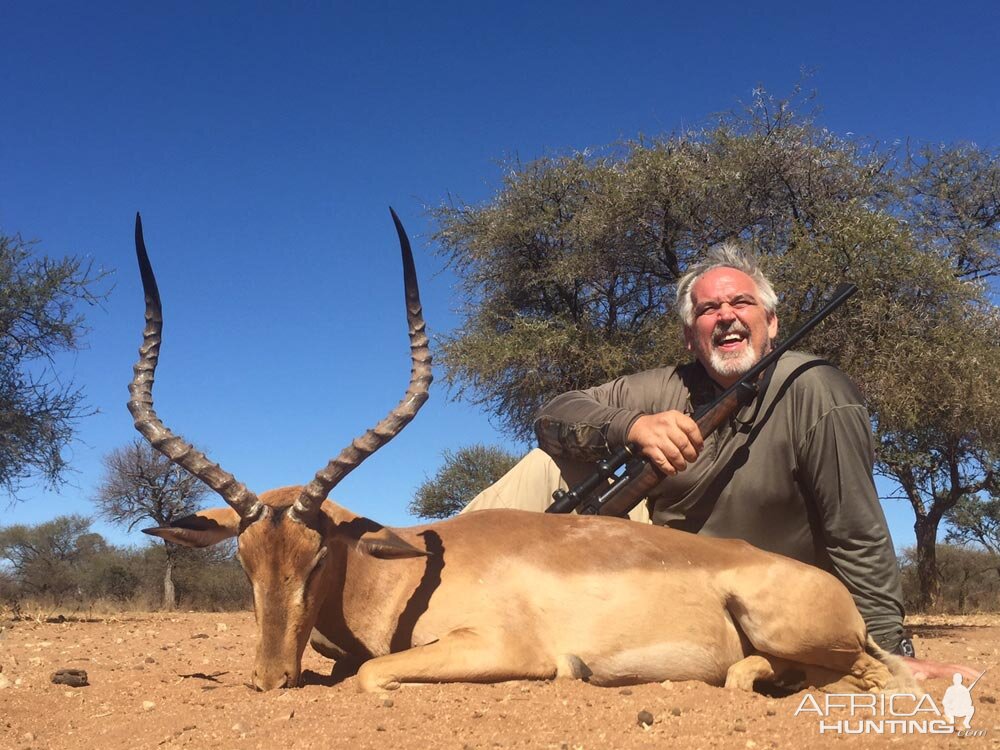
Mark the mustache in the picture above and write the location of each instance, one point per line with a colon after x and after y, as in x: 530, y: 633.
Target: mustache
x: 722, y: 329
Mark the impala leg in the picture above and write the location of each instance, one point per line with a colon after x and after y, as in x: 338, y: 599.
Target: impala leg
x: 458, y: 657
x: 743, y: 674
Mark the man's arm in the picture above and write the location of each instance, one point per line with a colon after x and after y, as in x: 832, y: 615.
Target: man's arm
x: 589, y: 425
x: 835, y: 468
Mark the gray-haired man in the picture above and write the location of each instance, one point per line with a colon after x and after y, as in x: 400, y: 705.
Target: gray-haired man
x: 790, y: 473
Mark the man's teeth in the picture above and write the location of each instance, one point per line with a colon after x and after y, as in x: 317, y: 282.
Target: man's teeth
x: 731, y: 337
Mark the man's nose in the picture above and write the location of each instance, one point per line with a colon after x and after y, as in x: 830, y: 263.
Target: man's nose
x: 726, y: 312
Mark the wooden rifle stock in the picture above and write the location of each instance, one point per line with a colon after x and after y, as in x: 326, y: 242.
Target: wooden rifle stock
x: 607, y: 493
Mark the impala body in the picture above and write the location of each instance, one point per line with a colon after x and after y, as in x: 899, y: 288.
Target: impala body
x: 504, y: 594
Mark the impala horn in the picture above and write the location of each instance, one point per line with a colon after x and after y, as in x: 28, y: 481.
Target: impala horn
x: 314, y: 493
x: 140, y: 404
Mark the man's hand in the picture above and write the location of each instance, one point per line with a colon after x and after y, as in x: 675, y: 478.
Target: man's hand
x: 925, y: 669
x: 670, y: 440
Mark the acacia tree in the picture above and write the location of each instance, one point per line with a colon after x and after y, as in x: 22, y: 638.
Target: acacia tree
x: 976, y: 521
x: 39, y: 318
x: 141, y: 485
x: 48, y: 560
x: 464, y: 474
x: 568, y: 276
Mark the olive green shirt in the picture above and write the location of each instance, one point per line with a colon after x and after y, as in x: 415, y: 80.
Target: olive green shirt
x: 790, y: 473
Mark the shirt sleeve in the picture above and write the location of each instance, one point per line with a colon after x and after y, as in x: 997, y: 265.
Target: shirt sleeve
x: 589, y: 425
x: 835, y: 465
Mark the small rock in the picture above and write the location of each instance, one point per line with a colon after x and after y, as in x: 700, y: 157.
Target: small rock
x: 239, y: 727
x: 477, y: 714
x: 221, y: 627
x: 988, y: 699
x: 644, y: 718
x: 387, y: 703
x: 199, y: 635
x: 28, y: 737
x: 148, y: 705
x: 289, y: 716
x: 624, y: 691
x: 71, y: 677
x: 150, y: 660
x: 667, y: 684
x: 4, y: 682
x: 771, y: 712
x: 675, y: 711
x: 751, y: 744
x: 739, y: 726
x: 379, y: 728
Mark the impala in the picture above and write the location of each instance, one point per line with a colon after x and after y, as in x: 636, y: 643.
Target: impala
x: 504, y: 594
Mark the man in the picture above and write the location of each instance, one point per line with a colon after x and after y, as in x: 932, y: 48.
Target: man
x: 790, y: 473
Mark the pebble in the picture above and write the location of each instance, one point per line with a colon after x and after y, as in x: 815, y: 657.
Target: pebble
x: 221, y: 627
x: 675, y: 711
x: 387, y: 703
x: 4, y: 682
x: 71, y: 677
x: 239, y: 727
x: 148, y: 705
x: 644, y: 718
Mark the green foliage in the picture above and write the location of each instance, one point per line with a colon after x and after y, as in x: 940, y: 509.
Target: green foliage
x: 969, y: 580
x: 62, y: 563
x: 976, y: 521
x: 464, y: 474
x: 568, y: 275
x: 39, y: 318
x: 46, y: 560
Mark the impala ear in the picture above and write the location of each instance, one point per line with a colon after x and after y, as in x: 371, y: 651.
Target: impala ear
x: 201, y: 529
x: 387, y: 545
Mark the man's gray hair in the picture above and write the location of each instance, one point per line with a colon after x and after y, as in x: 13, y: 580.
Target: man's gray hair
x: 724, y: 255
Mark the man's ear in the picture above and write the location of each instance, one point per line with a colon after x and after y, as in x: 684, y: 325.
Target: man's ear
x: 200, y: 529
x: 772, y: 326
x: 688, y: 338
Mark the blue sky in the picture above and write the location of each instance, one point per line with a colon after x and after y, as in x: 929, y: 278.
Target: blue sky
x: 263, y: 143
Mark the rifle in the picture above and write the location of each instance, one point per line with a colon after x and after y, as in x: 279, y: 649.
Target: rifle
x: 621, y: 481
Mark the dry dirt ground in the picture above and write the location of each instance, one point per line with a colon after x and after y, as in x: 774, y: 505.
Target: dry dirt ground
x: 180, y: 680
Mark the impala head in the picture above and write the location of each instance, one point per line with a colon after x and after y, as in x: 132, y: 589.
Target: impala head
x: 285, y: 536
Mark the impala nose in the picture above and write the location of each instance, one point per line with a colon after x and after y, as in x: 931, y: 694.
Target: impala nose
x: 271, y: 682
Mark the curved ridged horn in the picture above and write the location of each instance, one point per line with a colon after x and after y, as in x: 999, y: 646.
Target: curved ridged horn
x: 140, y: 404
x: 314, y: 493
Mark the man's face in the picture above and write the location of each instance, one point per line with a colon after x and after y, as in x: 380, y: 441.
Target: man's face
x: 731, y: 329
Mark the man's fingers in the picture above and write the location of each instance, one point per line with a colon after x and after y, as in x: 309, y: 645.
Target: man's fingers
x: 682, y: 443
x: 660, y: 461
x: 690, y: 429
x: 925, y: 669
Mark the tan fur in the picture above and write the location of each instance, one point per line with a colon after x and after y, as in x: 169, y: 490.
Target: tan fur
x: 505, y: 594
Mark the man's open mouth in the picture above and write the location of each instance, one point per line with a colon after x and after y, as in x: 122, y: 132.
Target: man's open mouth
x: 730, y: 340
